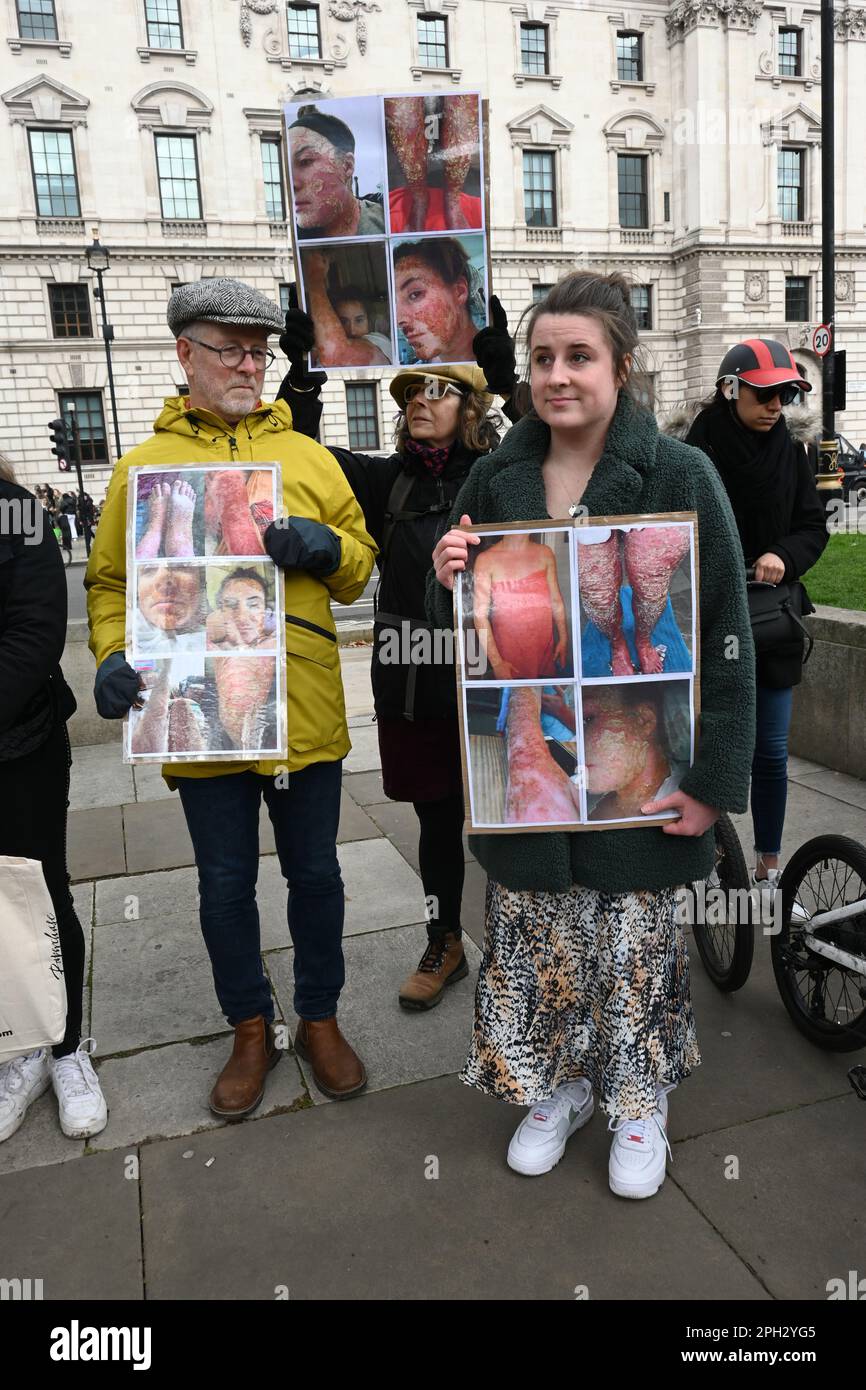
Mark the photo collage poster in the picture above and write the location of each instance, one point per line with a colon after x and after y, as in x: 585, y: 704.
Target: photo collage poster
x: 578, y: 670
x: 389, y: 226
x: 204, y: 614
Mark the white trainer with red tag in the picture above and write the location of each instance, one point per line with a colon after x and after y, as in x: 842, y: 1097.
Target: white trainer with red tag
x: 540, y: 1139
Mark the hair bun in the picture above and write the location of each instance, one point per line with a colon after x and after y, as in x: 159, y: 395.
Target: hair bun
x: 617, y: 281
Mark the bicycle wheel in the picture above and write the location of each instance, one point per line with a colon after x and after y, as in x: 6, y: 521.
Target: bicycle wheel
x: 826, y: 1000
x: 724, y: 931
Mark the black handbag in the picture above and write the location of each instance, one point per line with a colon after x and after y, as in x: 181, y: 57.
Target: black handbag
x: 776, y: 612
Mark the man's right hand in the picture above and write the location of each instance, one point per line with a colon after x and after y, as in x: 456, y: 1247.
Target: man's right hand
x: 296, y: 341
x: 117, y: 687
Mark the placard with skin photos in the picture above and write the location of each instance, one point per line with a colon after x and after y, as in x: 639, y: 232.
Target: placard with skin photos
x: 388, y: 203
x: 578, y: 665
x: 205, y: 614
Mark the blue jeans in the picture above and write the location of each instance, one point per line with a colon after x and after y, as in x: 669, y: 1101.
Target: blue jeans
x: 222, y: 814
x: 770, y: 768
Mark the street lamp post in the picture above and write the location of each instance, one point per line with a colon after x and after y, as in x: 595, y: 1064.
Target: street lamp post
x: 98, y: 261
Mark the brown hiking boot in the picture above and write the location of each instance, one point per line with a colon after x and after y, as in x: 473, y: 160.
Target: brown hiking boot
x: 337, y: 1069
x: 241, y: 1083
x: 443, y: 963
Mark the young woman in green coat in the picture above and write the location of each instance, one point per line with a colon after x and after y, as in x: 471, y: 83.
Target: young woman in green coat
x: 584, y: 982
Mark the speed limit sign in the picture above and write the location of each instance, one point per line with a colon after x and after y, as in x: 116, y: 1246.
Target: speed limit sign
x: 821, y: 339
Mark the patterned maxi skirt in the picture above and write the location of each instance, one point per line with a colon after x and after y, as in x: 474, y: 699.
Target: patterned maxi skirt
x: 582, y: 984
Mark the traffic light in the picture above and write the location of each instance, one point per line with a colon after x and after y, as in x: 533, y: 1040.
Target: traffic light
x: 61, y: 444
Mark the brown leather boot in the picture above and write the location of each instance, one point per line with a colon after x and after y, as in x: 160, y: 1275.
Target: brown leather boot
x: 443, y: 963
x: 337, y: 1069
x: 241, y: 1083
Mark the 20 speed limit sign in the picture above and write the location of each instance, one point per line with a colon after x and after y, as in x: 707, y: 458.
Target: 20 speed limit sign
x: 821, y: 339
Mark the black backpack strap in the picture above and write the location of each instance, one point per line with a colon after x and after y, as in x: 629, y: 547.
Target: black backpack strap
x: 394, y: 511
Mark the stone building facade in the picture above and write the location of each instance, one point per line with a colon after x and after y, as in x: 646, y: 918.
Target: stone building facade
x: 677, y: 142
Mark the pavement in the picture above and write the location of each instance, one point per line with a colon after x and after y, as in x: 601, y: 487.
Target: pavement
x: 404, y: 1192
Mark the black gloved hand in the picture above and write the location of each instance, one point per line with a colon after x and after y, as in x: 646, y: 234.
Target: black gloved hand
x: 297, y: 341
x: 297, y: 543
x: 116, y: 688
x: 494, y: 351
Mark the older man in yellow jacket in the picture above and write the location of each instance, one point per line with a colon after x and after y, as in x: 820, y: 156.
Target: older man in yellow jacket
x: 324, y: 552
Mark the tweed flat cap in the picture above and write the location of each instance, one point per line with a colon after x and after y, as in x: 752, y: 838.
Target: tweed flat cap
x: 222, y: 301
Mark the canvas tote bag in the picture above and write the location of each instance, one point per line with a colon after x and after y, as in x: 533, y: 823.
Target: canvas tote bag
x: 32, y: 987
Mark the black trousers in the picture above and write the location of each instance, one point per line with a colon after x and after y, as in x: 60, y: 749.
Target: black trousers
x: 34, y: 797
x: 440, y: 854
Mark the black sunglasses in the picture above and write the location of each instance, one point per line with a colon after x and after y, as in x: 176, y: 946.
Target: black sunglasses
x: 787, y: 393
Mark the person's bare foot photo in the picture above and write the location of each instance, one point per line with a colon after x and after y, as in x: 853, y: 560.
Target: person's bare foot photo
x: 157, y: 507
x: 178, y: 534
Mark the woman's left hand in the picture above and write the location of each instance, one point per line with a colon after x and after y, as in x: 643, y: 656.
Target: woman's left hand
x: 769, y: 569
x: 694, y: 816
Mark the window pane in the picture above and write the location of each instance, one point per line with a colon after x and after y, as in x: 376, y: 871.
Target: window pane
x: 533, y: 47
x: 789, y: 52
x: 178, y: 176
x: 540, y: 292
x: 644, y: 387
x: 36, y: 19
x: 629, y: 57
x: 791, y: 185
x: 163, y: 23
x: 539, y: 188
x: 54, y: 173
x: 275, y: 203
x: 797, y: 298
x: 641, y: 300
x: 432, y: 41
x: 70, y: 311
x: 284, y: 297
x: 91, y: 423
x: 631, y: 171
x: 362, y: 404
x: 304, y: 31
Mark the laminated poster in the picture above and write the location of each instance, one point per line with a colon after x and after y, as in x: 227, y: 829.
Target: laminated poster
x: 204, y: 615
x: 388, y: 226
x: 578, y: 670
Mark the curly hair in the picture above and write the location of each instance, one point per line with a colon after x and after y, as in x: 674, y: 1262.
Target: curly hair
x: 477, y: 429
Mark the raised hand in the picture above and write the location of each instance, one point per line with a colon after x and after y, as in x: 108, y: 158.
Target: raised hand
x: 494, y: 351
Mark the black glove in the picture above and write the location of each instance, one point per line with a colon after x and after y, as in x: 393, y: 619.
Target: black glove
x: 494, y: 352
x: 297, y: 543
x: 116, y: 688
x: 297, y: 341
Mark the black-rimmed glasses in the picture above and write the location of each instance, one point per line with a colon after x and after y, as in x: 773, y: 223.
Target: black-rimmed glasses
x: 233, y: 355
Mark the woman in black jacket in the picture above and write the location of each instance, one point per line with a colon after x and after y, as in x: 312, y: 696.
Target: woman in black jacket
x: 442, y: 429
x: 783, y: 531
x: 35, y: 757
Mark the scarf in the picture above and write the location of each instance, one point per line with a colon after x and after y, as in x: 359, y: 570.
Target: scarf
x: 757, y: 471
x: 430, y: 456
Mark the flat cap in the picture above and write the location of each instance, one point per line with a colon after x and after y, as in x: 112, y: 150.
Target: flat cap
x: 222, y: 301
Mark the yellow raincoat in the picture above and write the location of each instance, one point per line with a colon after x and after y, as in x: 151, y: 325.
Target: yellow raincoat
x: 313, y: 486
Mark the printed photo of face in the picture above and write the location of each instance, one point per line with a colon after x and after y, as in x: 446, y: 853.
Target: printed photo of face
x: 169, y: 596
x: 353, y: 316
x: 241, y: 617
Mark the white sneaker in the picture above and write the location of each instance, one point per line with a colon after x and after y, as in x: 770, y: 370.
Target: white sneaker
x: 638, y: 1151
x: 539, y: 1141
x: 83, y: 1111
x: 22, y: 1080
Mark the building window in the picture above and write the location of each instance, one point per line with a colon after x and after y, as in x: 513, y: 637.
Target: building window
x: 797, y: 298
x: 791, y: 185
x: 432, y: 41
x: 362, y: 404
x: 539, y: 188
x: 629, y: 56
x: 631, y: 173
x: 304, y: 37
x: 643, y: 386
x: 70, y: 311
x: 642, y: 303
x: 540, y: 292
x: 533, y: 48
x: 164, y: 29
x: 790, y: 52
x: 177, y: 170
x: 54, y: 178
x: 275, y: 198
x: 284, y: 297
x: 87, y: 408
x: 37, y: 20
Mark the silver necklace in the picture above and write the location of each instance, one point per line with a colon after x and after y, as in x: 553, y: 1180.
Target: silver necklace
x: 574, y: 508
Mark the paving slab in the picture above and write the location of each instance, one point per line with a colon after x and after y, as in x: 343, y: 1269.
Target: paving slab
x: 809, y: 813
x: 474, y: 897
x: 173, y: 893
x: 82, y: 896
x: 338, y: 1202
x: 397, y: 820
x: 364, y: 787
x: 355, y: 824
x: 773, y: 1213
x: 152, y: 984
x: 836, y: 784
x: 99, y: 778
x: 94, y: 843
x: 40, y: 1141
x: 381, y: 889
x: 163, y: 1092
x: 364, y: 753
x: 355, y: 666
x: 76, y: 1227
x: 397, y: 1046
x: 149, y: 783
x: 156, y: 836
